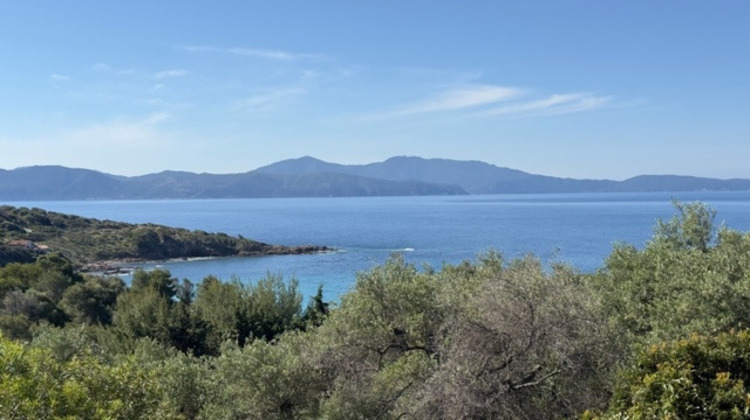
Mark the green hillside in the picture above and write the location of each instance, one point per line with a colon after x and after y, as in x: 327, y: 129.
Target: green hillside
x: 26, y: 233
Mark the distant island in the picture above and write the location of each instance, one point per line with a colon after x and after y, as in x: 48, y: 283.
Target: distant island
x: 97, y: 245
x: 310, y: 177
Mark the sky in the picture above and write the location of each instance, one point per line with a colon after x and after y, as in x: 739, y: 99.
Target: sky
x: 581, y: 89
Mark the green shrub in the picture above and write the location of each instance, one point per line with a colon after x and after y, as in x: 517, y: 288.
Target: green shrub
x: 702, y: 377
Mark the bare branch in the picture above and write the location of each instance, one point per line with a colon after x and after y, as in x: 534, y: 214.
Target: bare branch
x: 537, y: 382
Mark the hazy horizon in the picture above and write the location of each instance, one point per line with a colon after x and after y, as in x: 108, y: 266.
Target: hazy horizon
x: 358, y: 164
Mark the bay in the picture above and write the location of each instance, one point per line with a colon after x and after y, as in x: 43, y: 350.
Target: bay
x: 578, y: 229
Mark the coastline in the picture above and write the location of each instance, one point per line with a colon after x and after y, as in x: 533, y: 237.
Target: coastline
x: 124, y: 265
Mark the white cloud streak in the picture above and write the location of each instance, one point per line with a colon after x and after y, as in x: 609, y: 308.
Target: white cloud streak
x: 552, y: 105
x: 106, y: 68
x: 278, y: 55
x: 498, y: 101
x: 101, y: 67
x: 467, y: 97
x: 269, y: 100
x: 170, y: 73
x: 59, y: 77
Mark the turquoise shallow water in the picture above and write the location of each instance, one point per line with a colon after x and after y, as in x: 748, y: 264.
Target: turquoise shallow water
x: 579, y: 229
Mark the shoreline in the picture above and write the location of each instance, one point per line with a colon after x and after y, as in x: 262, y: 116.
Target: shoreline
x: 120, y: 265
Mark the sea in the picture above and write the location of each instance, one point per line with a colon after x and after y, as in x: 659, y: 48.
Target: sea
x: 429, y: 231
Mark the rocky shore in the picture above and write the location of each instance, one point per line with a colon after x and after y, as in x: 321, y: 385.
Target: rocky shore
x: 104, y: 246
x: 125, y: 265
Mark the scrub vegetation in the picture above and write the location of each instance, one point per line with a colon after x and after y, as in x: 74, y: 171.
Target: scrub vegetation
x: 27, y: 233
x: 657, y: 332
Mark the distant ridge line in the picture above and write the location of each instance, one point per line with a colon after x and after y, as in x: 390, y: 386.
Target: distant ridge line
x: 311, y: 177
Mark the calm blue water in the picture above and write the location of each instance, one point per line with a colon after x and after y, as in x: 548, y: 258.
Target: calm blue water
x: 579, y: 229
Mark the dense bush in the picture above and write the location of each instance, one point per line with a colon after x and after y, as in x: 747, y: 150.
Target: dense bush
x: 36, y: 385
x: 701, y: 377
x: 485, y: 340
x: 31, y: 294
x: 687, y: 279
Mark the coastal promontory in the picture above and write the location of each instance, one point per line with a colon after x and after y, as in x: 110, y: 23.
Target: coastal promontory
x: 89, y: 243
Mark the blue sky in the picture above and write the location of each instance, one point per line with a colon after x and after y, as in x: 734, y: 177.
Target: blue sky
x: 583, y: 89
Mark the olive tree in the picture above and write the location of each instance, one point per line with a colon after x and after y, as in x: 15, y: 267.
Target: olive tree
x: 485, y: 340
x: 686, y: 279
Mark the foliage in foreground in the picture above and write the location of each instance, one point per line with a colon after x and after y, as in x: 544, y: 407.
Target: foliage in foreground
x: 475, y: 340
x: 701, y: 377
x: 484, y: 340
x: 658, y: 330
x: 35, y: 384
x: 689, y: 278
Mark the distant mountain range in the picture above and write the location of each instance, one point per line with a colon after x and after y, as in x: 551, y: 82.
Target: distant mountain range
x: 310, y: 177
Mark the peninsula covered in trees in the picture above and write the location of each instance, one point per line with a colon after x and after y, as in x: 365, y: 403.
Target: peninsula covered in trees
x: 657, y: 332
x: 310, y: 177
x: 90, y: 243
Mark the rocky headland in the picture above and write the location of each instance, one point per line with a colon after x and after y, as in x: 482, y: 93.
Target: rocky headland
x: 103, y: 245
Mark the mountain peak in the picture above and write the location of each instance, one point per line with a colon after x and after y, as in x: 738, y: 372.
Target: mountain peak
x: 302, y: 165
x: 305, y: 159
x: 405, y: 158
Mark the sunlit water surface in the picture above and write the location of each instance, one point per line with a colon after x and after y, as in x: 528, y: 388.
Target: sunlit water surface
x: 578, y: 229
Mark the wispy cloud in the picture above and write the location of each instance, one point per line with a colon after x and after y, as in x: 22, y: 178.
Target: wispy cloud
x: 551, y: 105
x: 59, y: 77
x: 120, y: 132
x: 103, y: 67
x: 120, y: 145
x: 466, y: 97
x: 457, y: 99
x: 309, y: 74
x: 497, y: 101
x: 268, y: 54
x: 269, y: 100
x: 170, y: 73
